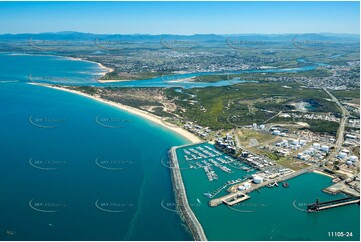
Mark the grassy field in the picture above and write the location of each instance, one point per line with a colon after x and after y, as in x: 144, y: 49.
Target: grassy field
x: 245, y: 136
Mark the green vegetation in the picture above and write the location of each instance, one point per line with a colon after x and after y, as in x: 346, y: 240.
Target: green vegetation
x: 347, y: 94
x: 210, y: 78
x: 110, y: 76
x: 243, y: 104
x: 130, y: 76
x: 322, y: 126
x: 85, y: 89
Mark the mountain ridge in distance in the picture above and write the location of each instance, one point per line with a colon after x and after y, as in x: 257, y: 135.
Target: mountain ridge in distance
x: 73, y: 35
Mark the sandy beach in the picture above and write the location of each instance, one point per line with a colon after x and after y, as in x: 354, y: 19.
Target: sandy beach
x: 323, y: 173
x: 107, y: 69
x: 189, y: 136
x: 101, y: 66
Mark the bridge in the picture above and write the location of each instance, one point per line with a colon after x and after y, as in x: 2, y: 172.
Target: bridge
x: 318, y: 206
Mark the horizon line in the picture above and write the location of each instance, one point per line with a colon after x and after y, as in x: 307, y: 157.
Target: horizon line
x: 70, y: 31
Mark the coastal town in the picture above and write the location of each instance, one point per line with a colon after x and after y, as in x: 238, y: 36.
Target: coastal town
x: 273, y: 140
x: 180, y: 121
x: 280, y: 154
x: 243, y: 154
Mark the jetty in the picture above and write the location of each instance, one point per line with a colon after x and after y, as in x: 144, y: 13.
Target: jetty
x: 229, y: 199
x: 182, y: 201
x: 318, y: 206
x: 342, y: 187
x: 270, y: 182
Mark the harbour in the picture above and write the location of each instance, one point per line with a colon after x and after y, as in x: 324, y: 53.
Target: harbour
x: 180, y: 121
x: 286, y: 195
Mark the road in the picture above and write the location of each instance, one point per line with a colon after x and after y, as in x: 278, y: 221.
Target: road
x: 341, y: 128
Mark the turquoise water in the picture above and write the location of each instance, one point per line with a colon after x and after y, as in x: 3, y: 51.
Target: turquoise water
x: 271, y: 214
x: 64, y: 176
x: 17, y: 67
x: 75, y: 169
x: 46, y: 69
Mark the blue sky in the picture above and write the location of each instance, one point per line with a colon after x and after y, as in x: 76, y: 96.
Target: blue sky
x: 180, y: 17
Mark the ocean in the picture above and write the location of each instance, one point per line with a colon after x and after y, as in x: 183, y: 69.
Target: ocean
x: 72, y: 168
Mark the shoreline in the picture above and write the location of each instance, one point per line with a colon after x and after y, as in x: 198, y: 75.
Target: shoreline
x: 323, y: 173
x: 101, y: 66
x: 186, y: 212
x: 110, y: 81
x: 151, y: 117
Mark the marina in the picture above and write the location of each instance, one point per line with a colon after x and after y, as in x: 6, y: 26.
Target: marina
x: 211, y: 160
x: 247, y: 189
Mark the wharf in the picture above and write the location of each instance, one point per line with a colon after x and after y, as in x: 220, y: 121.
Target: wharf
x: 342, y: 187
x: 229, y: 199
x: 318, y: 206
x: 271, y: 181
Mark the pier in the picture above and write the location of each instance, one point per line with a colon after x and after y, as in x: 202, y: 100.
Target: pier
x: 269, y: 182
x: 342, y: 187
x: 318, y: 206
x: 229, y: 199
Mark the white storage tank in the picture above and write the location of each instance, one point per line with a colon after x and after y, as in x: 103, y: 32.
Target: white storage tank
x: 241, y: 188
x: 353, y: 158
x: 247, y: 185
x: 257, y: 179
x: 325, y: 148
x: 349, y: 163
x: 276, y: 132
x: 316, y: 145
x: 262, y: 126
x: 295, y: 142
x: 342, y: 155
x: 310, y: 151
